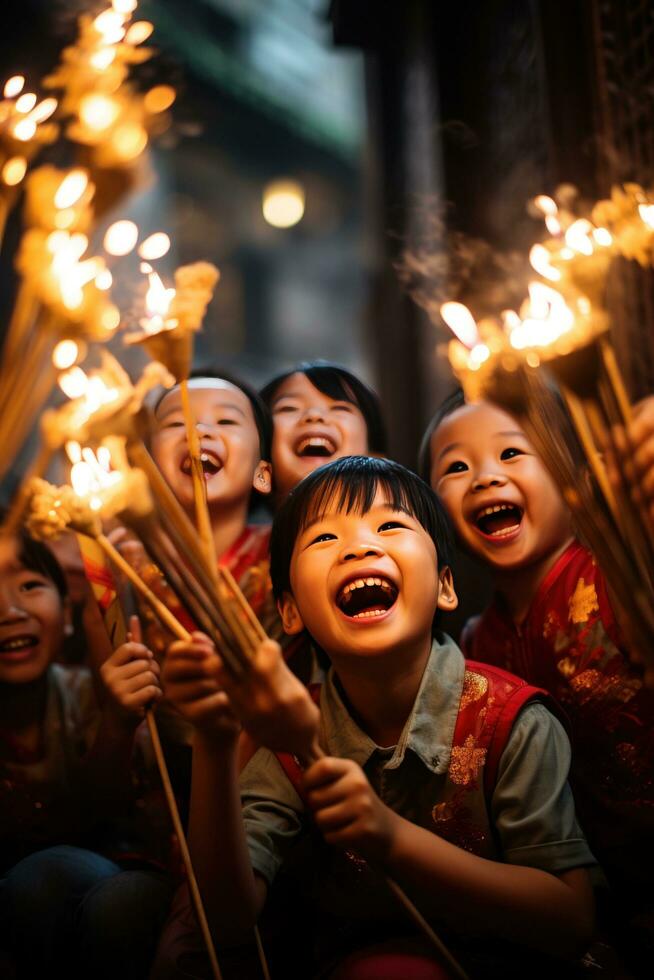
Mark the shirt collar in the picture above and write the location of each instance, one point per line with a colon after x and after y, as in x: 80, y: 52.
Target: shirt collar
x: 429, y: 729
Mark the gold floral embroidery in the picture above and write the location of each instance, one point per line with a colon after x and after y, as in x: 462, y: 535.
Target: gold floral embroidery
x: 549, y: 625
x: 582, y: 602
x: 474, y: 687
x: 441, y: 812
x: 466, y: 761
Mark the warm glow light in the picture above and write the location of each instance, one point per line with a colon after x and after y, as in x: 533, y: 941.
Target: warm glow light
x: 110, y: 318
x: 547, y: 317
x: 65, y: 354
x: 71, y: 189
x: 13, y: 86
x: 130, y: 140
x: 603, y: 237
x: 478, y: 355
x: 646, y: 211
x: 74, y: 451
x: 552, y: 224
x: 124, y: 6
x: 283, y: 203
x: 98, y: 111
x: 110, y: 24
x: 545, y: 204
x: 461, y: 322
x: 577, y: 236
x: 139, y: 32
x: 104, y: 279
x: 155, y: 246
x: 26, y: 102
x: 121, y: 237
x: 159, y: 98
x: 102, y: 59
x: 43, y: 110
x: 539, y: 257
x: 74, y: 383
x: 24, y: 130
x: 14, y: 171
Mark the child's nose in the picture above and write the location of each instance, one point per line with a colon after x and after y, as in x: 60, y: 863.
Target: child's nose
x: 10, y: 609
x: 489, y: 479
x: 357, y: 550
x: 313, y: 413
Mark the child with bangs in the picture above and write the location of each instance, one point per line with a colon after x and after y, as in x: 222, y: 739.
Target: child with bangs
x: 450, y: 777
x: 81, y: 888
x: 551, y: 621
x: 320, y: 412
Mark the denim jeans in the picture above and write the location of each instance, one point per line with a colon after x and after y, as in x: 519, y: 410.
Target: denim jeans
x: 73, y: 913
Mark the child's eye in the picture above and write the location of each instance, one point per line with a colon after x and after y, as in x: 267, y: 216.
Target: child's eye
x: 342, y: 407
x: 32, y: 583
x: 226, y: 422
x: 511, y: 453
x: 172, y: 425
x: 458, y: 466
x: 390, y: 525
x: 284, y: 408
x: 325, y: 536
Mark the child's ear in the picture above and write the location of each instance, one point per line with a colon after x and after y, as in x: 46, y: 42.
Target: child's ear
x: 262, y: 479
x: 290, y: 615
x: 447, y: 598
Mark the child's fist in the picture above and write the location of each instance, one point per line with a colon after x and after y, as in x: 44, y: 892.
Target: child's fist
x: 273, y: 705
x: 131, y: 676
x: 190, y: 679
x: 347, y: 810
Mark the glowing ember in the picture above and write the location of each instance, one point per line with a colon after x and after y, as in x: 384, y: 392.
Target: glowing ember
x: 577, y: 236
x: 103, y: 58
x: 545, y: 204
x: 646, y: 212
x: 110, y: 25
x: 14, y: 170
x: 76, y: 384
x: 461, y: 322
x: 24, y: 130
x: 130, y: 140
x: 14, y: 86
x: 546, y: 317
x: 26, y: 102
x: 65, y: 354
x: 91, y: 475
x: 71, y: 189
x: 43, y: 110
x: 98, y: 112
x: 104, y: 279
x: 603, y: 237
x: 124, y: 6
x: 540, y: 257
x: 159, y: 98
x: 121, y: 237
x: 154, y: 247
x: 157, y: 300
x: 139, y: 32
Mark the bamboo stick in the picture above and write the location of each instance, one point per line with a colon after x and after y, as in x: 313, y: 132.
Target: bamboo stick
x: 199, y: 484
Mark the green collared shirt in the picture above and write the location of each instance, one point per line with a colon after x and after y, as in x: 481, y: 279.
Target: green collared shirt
x: 531, y: 810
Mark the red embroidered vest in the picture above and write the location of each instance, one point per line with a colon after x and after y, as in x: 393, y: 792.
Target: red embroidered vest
x: 491, y: 700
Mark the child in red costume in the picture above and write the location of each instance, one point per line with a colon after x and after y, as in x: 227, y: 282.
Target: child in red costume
x: 552, y: 623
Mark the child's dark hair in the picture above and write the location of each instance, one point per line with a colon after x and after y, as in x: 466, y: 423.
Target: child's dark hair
x: 259, y: 408
x: 37, y: 557
x: 450, y: 404
x: 352, y: 482
x: 340, y: 384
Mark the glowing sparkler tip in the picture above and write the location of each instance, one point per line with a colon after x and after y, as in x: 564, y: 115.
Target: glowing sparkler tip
x: 98, y: 112
x: 71, y: 189
x: 159, y: 98
x: 539, y: 258
x: 110, y: 25
x: 545, y: 204
x: 124, y: 6
x: 24, y: 130
x: 461, y: 322
x: 74, y: 383
x: 139, y: 32
x: 14, y: 86
x: 26, y: 102
x: 65, y: 354
x: 646, y: 212
x: 121, y: 237
x: 154, y: 247
x: 14, y: 170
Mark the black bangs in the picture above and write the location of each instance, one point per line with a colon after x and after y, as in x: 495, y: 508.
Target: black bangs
x: 37, y: 557
x: 450, y: 404
x: 340, y: 384
x: 350, y: 485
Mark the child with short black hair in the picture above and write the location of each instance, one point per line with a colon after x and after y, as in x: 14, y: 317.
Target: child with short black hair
x: 449, y: 777
x: 552, y: 622
x: 68, y: 900
x: 320, y: 412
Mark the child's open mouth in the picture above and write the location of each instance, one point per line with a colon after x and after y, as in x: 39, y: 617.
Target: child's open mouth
x: 211, y: 464
x: 367, y: 597
x: 17, y: 647
x: 320, y: 446
x: 499, y: 520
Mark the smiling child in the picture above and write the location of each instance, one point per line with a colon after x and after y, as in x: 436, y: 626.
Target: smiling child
x: 451, y: 778
x: 551, y: 621
x: 320, y: 412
